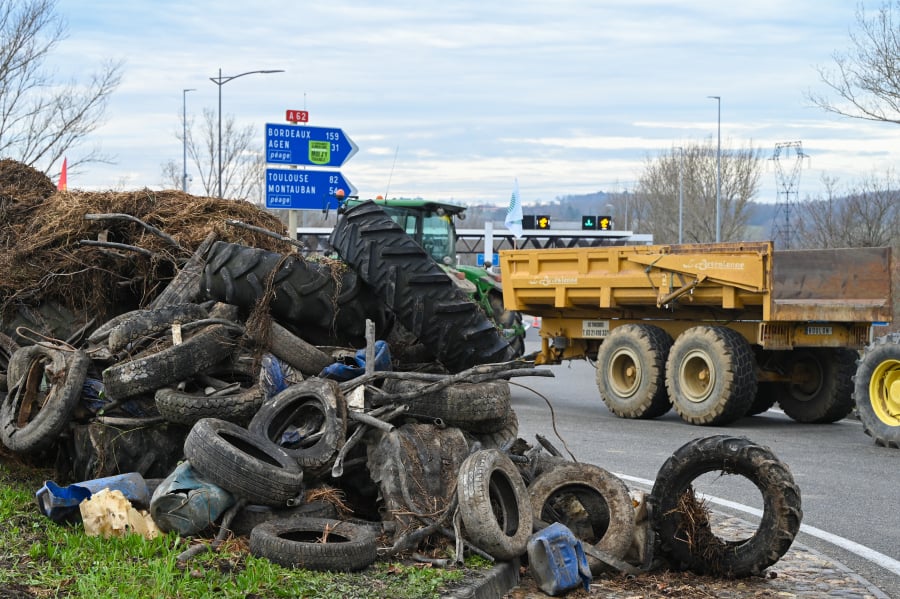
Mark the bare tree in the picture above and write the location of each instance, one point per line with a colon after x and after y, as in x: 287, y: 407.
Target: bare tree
x: 866, y: 80
x: 864, y: 216
x: 41, y: 120
x: 243, y: 164
x: 657, y: 192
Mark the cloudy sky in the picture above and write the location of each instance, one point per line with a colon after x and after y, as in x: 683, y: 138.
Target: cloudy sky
x: 455, y: 100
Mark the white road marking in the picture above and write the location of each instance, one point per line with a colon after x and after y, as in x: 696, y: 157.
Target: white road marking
x: 886, y: 562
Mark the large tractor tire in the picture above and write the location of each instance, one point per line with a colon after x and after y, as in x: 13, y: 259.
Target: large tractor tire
x: 631, y: 371
x: 417, y: 289
x: 711, y: 375
x: 821, y: 386
x: 321, y: 301
x: 687, y: 538
x: 877, y: 390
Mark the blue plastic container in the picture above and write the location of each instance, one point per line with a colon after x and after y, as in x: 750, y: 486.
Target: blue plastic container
x: 60, y: 504
x: 187, y: 503
x: 557, y: 560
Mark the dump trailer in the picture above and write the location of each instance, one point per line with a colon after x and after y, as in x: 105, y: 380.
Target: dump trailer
x: 717, y: 331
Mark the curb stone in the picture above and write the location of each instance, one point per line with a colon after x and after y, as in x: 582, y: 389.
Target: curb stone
x: 494, y: 583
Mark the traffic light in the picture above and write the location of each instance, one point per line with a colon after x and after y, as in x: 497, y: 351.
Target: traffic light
x: 588, y: 222
x: 604, y: 223
x: 527, y: 221
x: 542, y: 221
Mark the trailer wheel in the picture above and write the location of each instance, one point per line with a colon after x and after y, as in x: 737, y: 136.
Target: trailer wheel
x: 711, y: 375
x: 494, y: 504
x: 631, y: 371
x: 690, y: 542
x: 592, y: 502
x: 877, y: 390
x: 417, y: 289
x: 821, y: 385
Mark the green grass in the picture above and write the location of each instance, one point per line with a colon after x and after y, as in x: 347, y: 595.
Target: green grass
x: 43, y: 559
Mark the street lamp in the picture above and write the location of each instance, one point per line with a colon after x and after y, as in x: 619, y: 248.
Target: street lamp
x: 718, y: 100
x: 184, y: 137
x: 220, y: 81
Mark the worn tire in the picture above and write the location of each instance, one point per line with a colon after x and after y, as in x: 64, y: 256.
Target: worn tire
x: 700, y: 550
x: 147, y: 323
x: 711, y: 375
x: 244, y: 464
x: 821, y: 387
x: 507, y: 320
x: 315, y: 544
x: 188, y: 406
x: 320, y: 301
x: 51, y: 381
x: 203, y: 349
x: 473, y: 407
x: 251, y: 516
x: 303, y: 356
x: 592, y: 502
x: 502, y: 437
x: 311, y: 406
x: 631, y: 371
x: 494, y: 504
x: 765, y: 398
x: 877, y: 390
x: 417, y: 289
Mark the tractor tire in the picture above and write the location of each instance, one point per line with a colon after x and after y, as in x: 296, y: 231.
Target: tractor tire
x: 508, y: 321
x: 417, y: 289
x: 592, y: 502
x: 821, y: 387
x: 315, y: 544
x: 631, y: 371
x: 711, y: 375
x: 244, y: 464
x: 877, y: 390
x: 320, y: 301
x: 494, y: 504
x: 45, y: 387
x: 690, y: 543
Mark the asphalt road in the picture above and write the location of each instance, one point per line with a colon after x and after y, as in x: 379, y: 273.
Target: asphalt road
x: 849, y: 486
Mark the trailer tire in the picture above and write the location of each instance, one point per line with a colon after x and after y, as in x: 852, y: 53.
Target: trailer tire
x: 244, y: 464
x: 699, y: 550
x: 821, y: 390
x: 315, y: 544
x: 417, y: 289
x: 711, y: 375
x: 494, y: 504
x: 473, y: 407
x: 765, y: 398
x: 599, y: 507
x: 631, y: 371
x: 877, y: 390
x: 36, y: 421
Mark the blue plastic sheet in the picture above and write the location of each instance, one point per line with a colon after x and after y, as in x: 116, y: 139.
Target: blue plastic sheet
x: 346, y: 372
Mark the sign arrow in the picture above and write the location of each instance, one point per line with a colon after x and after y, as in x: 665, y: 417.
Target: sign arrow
x: 303, y: 145
x: 295, y: 189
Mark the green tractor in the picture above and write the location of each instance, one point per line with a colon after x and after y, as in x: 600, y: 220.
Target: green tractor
x: 433, y: 226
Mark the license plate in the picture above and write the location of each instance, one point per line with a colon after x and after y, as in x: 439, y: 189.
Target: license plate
x: 594, y: 329
x: 819, y: 330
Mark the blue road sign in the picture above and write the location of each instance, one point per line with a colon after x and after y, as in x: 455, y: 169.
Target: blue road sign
x: 303, y: 145
x: 295, y: 189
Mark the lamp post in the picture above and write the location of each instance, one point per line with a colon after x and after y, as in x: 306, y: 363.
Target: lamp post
x: 718, y: 100
x: 220, y: 81
x: 184, y: 137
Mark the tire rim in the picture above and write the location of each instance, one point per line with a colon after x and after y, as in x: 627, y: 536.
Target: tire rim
x: 698, y: 377
x: 884, y: 392
x: 807, y: 379
x: 624, y: 373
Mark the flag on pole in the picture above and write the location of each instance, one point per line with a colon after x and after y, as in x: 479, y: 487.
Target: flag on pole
x: 62, y: 178
x: 513, y: 220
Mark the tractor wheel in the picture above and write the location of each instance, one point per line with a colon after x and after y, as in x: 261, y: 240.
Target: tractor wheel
x: 877, y: 390
x: 631, y: 371
x: 821, y: 386
x: 711, y: 375
x: 417, y: 289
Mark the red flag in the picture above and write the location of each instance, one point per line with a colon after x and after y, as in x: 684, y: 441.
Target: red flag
x: 62, y: 178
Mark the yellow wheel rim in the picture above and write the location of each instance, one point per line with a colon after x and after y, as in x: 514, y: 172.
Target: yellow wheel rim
x: 884, y: 392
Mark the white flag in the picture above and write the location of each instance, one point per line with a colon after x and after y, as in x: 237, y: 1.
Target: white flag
x: 513, y: 220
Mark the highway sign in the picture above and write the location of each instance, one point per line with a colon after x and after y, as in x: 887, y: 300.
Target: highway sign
x: 296, y: 116
x: 295, y: 189
x: 303, y: 145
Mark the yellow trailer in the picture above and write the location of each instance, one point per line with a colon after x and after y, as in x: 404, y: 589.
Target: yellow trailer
x: 718, y: 331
